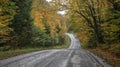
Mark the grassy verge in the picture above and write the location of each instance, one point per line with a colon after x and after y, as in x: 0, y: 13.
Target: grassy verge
x: 109, y: 52
x: 109, y: 57
x: 11, y: 53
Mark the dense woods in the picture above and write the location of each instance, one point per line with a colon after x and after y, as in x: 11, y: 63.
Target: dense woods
x: 36, y: 23
x: 97, y: 23
x: 28, y: 23
x: 7, y: 13
x: 49, y: 22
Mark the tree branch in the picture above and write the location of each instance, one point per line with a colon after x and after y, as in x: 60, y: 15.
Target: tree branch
x: 88, y: 20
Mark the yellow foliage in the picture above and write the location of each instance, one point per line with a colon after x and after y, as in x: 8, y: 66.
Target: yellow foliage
x: 44, y: 14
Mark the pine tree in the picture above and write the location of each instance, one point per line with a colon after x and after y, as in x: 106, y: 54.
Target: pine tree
x: 22, y: 22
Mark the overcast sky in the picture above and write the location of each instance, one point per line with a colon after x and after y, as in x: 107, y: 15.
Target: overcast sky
x: 59, y: 12
x: 48, y: 0
x: 62, y: 12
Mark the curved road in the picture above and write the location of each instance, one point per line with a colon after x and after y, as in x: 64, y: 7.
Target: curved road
x: 74, y: 56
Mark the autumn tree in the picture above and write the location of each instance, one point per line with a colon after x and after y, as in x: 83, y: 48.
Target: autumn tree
x: 7, y: 12
x: 92, y: 11
x: 112, y: 24
x: 48, y: 21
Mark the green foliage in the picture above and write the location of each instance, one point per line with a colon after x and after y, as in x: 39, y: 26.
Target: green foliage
x: 92, y: 13
x: 19, y: 28
x: 40, y: 38
x: 7, y: 12
x: 112, y: 27
x: 103, y: 22
x: 102, y: 19
x: 22, y: 22
x: 51, y: 26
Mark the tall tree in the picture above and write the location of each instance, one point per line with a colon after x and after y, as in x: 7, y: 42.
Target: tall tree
x: 112, y: 22
x: 22, y: 22
x: 92, y: 11
x: 7, y: 12
x: 46, y: 18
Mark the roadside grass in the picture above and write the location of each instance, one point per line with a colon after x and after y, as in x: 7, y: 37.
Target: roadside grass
x: 107, y: 56
x: 11, y: 53
x: 16, y: 52
x: 110, y: 53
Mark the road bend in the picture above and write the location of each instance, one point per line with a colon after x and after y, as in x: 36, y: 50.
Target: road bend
x: 74, y: 56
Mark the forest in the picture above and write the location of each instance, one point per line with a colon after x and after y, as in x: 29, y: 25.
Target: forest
x: 36, y: 23
x: 30, y: 23
x: 97, y: 24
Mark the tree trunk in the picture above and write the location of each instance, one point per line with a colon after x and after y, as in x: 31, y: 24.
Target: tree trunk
x: 98, y: 34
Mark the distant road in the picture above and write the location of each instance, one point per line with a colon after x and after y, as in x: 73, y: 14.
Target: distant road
x: 74, y: 56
